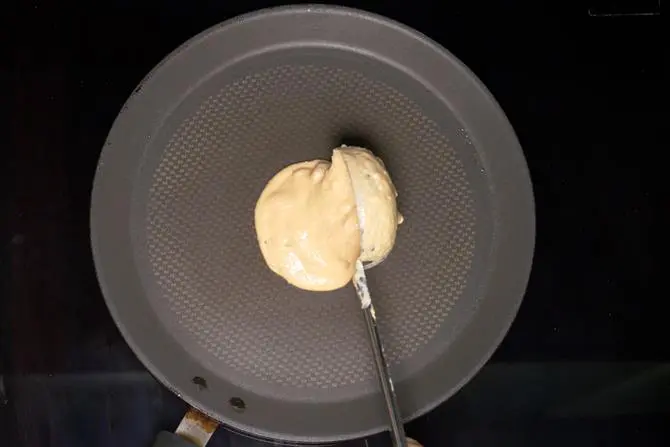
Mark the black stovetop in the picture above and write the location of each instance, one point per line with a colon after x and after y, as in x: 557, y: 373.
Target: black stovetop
x: 586, y: 361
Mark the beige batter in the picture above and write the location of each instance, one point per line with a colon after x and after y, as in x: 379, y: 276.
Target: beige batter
x: 307, y: 218
x: 376, y: 202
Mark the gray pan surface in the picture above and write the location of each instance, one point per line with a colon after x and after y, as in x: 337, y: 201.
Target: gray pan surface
x: 175, y: 247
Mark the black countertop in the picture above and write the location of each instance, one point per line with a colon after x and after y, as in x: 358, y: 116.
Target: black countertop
x: 586, y: 361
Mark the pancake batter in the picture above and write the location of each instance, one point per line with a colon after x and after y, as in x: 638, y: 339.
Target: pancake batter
x: 375, y: 198
x: 307, y: 218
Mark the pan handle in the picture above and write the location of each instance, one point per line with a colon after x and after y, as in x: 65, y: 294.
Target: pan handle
x: 194, y: 430
x: 169, y: 439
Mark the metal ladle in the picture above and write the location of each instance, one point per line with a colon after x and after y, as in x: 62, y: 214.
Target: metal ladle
x: 361, y: 285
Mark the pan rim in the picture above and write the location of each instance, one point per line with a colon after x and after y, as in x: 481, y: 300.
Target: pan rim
x: 316, y: 9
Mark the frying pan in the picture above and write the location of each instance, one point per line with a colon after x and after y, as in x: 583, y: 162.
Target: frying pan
x: 174, y: 243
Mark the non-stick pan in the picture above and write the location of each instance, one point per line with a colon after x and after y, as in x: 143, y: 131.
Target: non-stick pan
x: 174, y: 242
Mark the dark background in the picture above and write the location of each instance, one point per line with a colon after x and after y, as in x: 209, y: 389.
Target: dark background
x: 586, y: 362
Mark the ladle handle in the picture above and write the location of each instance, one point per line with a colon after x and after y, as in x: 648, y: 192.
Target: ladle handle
x: 361, y: 285
x: 397, y: 429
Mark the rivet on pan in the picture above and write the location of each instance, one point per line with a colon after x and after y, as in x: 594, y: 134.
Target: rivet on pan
x: 200, y: 382
x: 237, y: 404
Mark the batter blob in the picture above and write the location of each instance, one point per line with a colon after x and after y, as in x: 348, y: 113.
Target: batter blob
x: 314, y: 219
